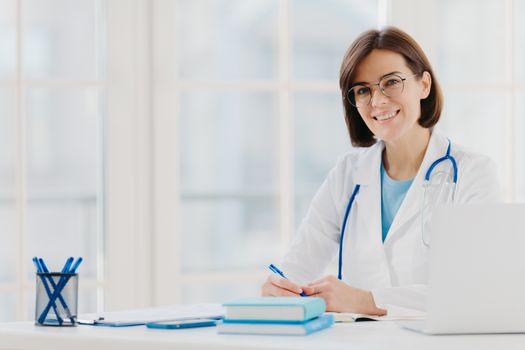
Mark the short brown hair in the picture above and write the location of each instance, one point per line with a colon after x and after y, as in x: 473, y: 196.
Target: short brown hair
x: 392, y: 39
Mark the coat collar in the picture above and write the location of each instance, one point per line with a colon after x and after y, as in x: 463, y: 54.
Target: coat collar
x: 410, y: 209
x: 368, y: 176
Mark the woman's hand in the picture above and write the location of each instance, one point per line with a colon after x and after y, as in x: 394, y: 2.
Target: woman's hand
x: 276, y: 286
x: 341, y: 297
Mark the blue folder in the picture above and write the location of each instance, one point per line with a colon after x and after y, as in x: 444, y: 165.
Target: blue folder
x: 276, y: 327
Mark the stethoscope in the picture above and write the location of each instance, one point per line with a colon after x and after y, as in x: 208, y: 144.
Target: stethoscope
x: 426, y: 186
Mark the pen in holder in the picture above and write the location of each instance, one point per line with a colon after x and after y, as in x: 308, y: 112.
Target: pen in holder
x: 56, y: 294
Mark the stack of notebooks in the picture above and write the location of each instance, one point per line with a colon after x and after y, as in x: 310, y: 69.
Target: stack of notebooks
x: 275, y: 315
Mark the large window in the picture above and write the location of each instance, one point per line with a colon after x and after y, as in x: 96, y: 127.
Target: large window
x: 51, y: 121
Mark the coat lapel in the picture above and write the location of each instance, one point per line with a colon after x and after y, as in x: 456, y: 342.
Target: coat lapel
x: 368, y: 201
x: 411, y: 205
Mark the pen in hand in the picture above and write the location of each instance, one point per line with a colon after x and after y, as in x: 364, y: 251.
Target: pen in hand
x: 275, y: 270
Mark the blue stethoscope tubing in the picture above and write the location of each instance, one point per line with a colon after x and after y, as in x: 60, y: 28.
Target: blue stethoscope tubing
x: 348, y: 207
x: 446, y: 157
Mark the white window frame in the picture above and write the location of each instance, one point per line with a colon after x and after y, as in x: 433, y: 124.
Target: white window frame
x: 124, y: 232
x: 22, y: 285
x: 128, y: 169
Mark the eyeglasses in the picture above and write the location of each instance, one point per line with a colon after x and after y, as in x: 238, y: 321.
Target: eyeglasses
x: 390, y: 85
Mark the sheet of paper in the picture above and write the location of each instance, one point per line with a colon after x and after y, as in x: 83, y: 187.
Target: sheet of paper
x: 164, y: 313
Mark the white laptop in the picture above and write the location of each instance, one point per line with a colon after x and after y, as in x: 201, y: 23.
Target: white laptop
x: 476, y: 271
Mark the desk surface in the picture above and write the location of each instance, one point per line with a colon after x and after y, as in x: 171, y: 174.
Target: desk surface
x: 363, y: 335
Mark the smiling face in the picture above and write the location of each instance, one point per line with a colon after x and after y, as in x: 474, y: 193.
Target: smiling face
x: 392, y: 118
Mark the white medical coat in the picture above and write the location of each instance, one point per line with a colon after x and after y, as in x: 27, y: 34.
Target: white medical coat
x: 395, y: 271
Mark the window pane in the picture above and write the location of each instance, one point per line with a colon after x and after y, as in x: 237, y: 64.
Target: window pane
x: 61, y: 227
x: 7, y: 39
x: 467, y: 38
x: 519, y: 41
x: 322, y: 31
x: 320, y: 138
x: 30, y: 301
x: 8, y: 236
x: 228, y: 176
x: 87, y: 298
x: 229, y: 233
x: 227, y: 39
x: 228, y: 141
x: 63, y: 166
x: 7, y: 307
x: 465, y: 119
x: 9, y: 246
x: 219, y: 292
x: 60, y: 39
x: 519, y: 146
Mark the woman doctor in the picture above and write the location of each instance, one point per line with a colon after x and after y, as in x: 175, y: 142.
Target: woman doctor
x: 372, y: 210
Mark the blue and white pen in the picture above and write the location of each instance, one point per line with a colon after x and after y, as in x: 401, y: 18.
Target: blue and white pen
x: 276, y: 270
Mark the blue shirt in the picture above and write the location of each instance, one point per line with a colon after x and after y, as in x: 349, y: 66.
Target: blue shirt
x: 392, y: 194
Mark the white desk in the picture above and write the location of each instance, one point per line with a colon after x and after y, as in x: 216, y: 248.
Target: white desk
x: 364, y: 335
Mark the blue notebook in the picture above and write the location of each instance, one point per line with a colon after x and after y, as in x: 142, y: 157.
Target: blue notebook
x: 276, y: 327
x: 275, y: 309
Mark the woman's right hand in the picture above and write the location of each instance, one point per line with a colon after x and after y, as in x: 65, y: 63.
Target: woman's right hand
x: 276, y: 286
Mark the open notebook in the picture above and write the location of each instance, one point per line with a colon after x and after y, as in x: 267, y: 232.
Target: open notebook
x: 395, y: 313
